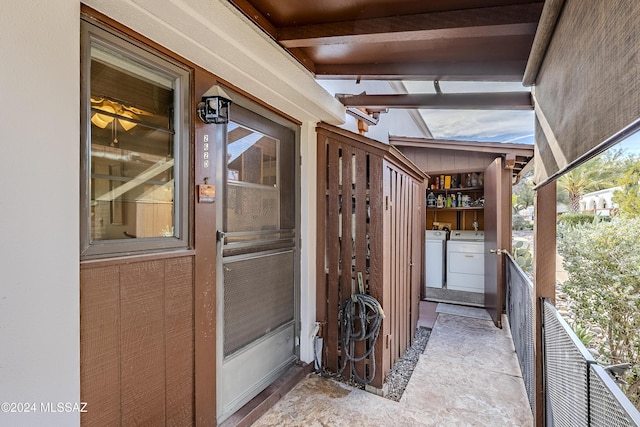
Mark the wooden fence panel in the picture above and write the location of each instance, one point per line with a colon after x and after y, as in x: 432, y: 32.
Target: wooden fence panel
x: 367, y: 223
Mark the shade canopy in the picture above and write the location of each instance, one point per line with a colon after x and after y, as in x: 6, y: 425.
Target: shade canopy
x: 585, y: 68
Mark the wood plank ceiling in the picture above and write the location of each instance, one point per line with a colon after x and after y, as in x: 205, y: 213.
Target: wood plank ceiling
x: 463, y: 40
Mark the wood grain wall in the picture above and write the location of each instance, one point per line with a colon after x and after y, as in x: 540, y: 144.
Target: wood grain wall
x: 137, y: 342
x: 435, y: 161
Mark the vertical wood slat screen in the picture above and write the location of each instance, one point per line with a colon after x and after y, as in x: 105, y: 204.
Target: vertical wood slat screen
x: 370, y: 221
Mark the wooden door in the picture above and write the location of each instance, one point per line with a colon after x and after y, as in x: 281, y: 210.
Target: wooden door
x: 497, y: 223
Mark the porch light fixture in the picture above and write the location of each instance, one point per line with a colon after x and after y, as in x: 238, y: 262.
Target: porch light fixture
x: 214, y: 107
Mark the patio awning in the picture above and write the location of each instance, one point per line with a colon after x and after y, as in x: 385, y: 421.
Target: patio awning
x: 585, y: 69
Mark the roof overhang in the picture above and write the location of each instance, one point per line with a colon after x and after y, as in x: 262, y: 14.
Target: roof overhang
x: 517, y: 157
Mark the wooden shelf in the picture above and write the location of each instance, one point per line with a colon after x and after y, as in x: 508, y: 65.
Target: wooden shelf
x: 472, y: 208
x: 456, y: 190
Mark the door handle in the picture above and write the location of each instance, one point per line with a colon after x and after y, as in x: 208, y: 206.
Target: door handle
x: 498, y: 251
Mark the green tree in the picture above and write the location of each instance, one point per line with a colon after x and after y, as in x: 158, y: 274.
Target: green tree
x: 523, y: 193
x: 603, y: 263
x: 628, y: 198
x: 596, y: 174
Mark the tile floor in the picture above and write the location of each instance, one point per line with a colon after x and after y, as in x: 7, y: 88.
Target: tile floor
x: 468, y: 375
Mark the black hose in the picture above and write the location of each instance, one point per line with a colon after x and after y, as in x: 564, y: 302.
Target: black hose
x: 360, y: 319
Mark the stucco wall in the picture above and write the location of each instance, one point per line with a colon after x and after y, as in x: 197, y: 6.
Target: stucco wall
x: 39, y: 285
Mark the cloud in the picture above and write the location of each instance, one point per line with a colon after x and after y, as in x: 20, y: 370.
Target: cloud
x: 481, y: 125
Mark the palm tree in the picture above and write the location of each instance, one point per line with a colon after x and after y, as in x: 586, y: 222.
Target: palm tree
x: 575, y: 183
x: 597, y: 174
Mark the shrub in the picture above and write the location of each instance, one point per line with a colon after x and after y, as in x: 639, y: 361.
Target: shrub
x: 603, y: 262
x: 518, y: 222
x: 571, y: 220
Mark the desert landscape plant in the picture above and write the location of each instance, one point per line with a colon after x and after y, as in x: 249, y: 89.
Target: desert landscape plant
x: 602, y: 260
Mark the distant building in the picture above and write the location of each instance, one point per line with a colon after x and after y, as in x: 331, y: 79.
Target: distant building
x: 599, y: 202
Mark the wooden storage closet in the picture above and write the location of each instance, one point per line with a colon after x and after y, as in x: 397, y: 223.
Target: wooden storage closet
x: 370, y: 221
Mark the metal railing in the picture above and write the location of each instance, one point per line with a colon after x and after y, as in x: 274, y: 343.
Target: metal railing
x: 578, y: 391
x: 520, y: 312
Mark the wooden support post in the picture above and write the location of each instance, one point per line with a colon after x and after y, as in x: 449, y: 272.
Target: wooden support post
x: 544, y: 278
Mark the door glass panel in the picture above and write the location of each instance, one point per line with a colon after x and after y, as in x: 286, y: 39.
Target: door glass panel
x: 253, y: 199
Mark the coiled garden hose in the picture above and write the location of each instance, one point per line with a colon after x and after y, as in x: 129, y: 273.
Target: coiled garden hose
x: 360, y: 319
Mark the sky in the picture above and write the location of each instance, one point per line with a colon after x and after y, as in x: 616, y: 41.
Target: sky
x: 631, y: 145
x: 476, y: 125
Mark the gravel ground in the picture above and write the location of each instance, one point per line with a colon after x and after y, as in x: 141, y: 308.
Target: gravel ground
x: 399, y: 375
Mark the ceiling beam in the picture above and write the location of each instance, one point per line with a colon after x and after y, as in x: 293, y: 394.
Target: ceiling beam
x: 506, y: 30
x: 522, y: 151
x: 470, y: 23
x: 504, y: 71
x: 445, y: 101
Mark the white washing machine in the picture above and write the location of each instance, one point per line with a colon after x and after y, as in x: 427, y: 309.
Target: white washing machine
x: 465, y: 261
x: 435, y: 242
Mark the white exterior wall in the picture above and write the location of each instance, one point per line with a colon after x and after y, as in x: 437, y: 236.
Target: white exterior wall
x: 39, y: 178
x: 39, y: 273
x: 308, y: 227
x: 594, y: 200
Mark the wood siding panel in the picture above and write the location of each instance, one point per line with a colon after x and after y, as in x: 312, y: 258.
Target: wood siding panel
x: 436, y: 162
x: 142, y: 343
x: 137, y: 342
x: 361, y: 222
x: 346, y: 240
x: 100, y: 346
x: 377, y: 286
x: 179, y: 327
x: 333, y: 258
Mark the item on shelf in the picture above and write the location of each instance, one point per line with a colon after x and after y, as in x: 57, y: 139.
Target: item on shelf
x: 468, y: 180
x: 431, y: 200
x: 437, y: 182
x: 448, y: 201
x: 480, y: 179
x: 474, y: 180
x: 442, y: 226
x: 447, y: 182
x: 454, y: 181
x: 440, y: 201
x: 459, y: 199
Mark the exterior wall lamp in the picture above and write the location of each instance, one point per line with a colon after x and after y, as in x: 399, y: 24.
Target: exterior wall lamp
x: 214, y: 107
